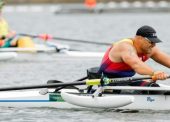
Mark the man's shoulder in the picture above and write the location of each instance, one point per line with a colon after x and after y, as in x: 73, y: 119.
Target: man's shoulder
x: 124, y: 41
x: 123, y: 46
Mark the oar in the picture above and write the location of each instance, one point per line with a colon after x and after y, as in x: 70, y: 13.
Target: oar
x: 104, y: 81
x: 78, y: 80
x: 48, y: 37
x: 58, y: 81
x: 54, y: 85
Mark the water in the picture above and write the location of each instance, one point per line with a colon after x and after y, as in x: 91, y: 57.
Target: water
x: 29, y: 69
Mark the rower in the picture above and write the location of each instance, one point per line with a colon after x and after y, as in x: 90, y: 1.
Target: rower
x: 126, y: 57
x: 6, y: 35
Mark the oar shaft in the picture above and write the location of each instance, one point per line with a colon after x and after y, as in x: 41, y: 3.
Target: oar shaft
x: 66, y: 39
x: 129, y: 79
x: 78, y: 80
x: 87, y: 82
x: 54, y: 85
x: 30, y: 35
x: 81, y: 41
x: 116, y: 80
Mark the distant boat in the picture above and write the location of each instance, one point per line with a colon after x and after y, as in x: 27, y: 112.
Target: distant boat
x: 7, y: 55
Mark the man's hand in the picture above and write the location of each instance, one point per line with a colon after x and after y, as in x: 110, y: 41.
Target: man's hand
x: 159, y: 75
x: 11, y: 34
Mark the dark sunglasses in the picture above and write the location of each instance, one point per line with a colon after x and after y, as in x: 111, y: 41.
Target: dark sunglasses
x: 149, y: 41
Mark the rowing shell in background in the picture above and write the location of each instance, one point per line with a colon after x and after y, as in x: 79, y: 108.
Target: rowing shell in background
x: 7, y: 55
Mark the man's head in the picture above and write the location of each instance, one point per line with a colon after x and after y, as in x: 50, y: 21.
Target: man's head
x: 148, y: 33
x: 146, y: 39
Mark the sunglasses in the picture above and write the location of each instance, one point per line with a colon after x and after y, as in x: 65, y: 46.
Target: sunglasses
x: 149, y: 41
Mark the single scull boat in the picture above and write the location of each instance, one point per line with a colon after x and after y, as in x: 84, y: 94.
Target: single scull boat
x: 72, y: 98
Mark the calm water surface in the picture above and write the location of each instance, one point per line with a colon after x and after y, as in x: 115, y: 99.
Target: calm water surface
x: 30, y: 69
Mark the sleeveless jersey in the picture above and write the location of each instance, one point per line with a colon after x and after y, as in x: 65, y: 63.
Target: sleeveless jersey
x: 3, y: 27
x: 117, y: 69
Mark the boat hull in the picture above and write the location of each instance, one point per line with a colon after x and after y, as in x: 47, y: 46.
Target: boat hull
x: 35, y: 99
x: 7, y: 55
x: 32, y: 99
x: 149, y: 102
x: 50, y: 49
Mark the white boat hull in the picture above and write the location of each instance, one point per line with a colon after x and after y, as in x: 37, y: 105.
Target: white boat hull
x: 7, y: 55
x: 151, y: 102
x: 52, y: 48
x: 35, y: 99
x: 32, y: 99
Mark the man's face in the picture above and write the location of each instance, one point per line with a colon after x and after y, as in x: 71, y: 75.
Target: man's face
x: 147, y: 45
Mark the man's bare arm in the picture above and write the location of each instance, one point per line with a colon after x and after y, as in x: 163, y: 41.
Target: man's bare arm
x: 161, y: 57
x: 129, y: 56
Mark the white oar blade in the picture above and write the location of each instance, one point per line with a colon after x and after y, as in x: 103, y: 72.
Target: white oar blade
x: 84, y: 54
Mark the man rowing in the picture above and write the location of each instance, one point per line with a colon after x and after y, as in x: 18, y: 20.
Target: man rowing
x: 126, y: 57
x: 6, y: 35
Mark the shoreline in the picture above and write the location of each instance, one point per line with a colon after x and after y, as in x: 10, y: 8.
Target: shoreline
x: 100, y: 8
x: 76, y: 1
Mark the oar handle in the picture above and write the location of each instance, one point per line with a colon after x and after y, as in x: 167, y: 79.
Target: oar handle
x: 128, y: 80
x: 154, y: 78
